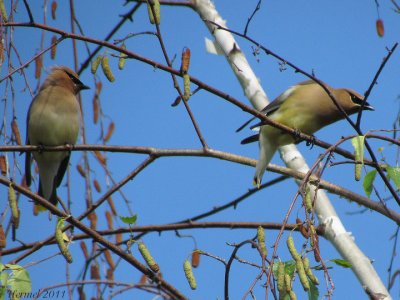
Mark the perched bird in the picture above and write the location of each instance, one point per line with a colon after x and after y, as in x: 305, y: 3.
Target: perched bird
x: 305, y: 107
x: 53, y: 120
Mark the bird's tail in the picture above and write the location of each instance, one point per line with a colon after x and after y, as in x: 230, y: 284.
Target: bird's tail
x: 267, y: 151
x: 52, y: 197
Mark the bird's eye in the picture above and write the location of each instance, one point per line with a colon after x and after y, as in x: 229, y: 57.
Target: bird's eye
x: 356, y: 99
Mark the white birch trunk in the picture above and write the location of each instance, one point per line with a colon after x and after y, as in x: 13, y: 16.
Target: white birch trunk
x: 335, y: 231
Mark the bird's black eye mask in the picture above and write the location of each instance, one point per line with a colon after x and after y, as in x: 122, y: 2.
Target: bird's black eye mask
x: 75, y: 80
x: 356, y: 99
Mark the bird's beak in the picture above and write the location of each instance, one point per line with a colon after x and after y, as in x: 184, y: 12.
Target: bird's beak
x: 84, y: 87
x: 368, y: 106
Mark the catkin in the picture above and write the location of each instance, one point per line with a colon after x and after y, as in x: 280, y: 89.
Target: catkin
x: 261, y: 240
x: 105, y: 65
x: 60, y: 241
x: 187, y: 268
x: 95, y: 64
x: 148, y: 258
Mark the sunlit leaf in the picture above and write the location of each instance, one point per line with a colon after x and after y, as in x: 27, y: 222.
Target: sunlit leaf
x: 368, y: 182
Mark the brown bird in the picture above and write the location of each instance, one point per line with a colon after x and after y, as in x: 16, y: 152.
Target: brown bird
x: 305, y: 107
x: 53, y: 120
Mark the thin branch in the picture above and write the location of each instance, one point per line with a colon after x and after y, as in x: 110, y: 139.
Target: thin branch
x: 258, y: 6
x: 374, y: 81
x: 99, y: 239
x: 28, y: 10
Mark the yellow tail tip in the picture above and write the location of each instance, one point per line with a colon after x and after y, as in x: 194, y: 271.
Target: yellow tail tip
x: 256, y: 182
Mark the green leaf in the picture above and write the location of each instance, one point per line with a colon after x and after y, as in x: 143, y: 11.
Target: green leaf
x: 128, y: 220
x: 394, y: 174
x: 341, y: 262
x: 358, y: 144
x: 290, y: 267
x: 368, y: 182
x: 313, y: 292
x: 20, y: 281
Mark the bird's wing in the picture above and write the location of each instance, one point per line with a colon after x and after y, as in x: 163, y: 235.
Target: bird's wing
x: 61, y: 170
x: 28, y: 176
x: 250, y: 139
x: 274, y: 105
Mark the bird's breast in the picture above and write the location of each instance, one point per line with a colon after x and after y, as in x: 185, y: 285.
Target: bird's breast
x: 54, y: 121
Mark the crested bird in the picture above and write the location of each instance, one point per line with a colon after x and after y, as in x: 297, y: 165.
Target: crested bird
x: 53, y: 120
x: 305, y: 107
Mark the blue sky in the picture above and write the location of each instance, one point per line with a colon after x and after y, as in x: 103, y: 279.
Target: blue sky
x: 335, y: 39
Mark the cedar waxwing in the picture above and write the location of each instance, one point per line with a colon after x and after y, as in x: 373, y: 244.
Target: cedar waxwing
x: 53, y: 120
x: 305, y: 107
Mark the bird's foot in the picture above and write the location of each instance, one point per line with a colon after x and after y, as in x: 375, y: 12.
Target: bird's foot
x: 296, y: 135
x: 41, y: 148
x: 311, y: 142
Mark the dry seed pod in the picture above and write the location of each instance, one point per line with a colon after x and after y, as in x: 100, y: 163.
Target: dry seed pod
x: 38, y: 66
x: 15, y: 131
x: 81, y: 293
x: 109, y: 220
x: 93, y: 220
x: 281, y: 277
x: 310, y: 275
x: 156, y: 8
x: 99, y: 86
x: 84, y: 250
x: 143, y: 280
x: 185, y: 60
x: 122, y: 58
x: 288, y: 283
x: 303, y: 229
x: 95, y: 64
x: 94, y: 272
x: 2, y: 237
x: 109, y: 259
x: 97, y: 186
x: 23, y: 182
x: 81, y: 171
x: 195, y: 258
x: 96, y: 109
x: 148, y: 258
x: 60, y: 241
x: 302, y: 274
x: 100, y: 157
x: 3, y: 165
x: 105, y: 65
x: 292, y: 248
x: 186, y: 87
x: 12, y: 200
x: 110, y: 276
x: 3, y: 11
x: 53, y: 9
x: 54, y: 48
x: 261, y: 240
x: 118, y: 238
x: 110, y: 131
x: 187, y: 268
x: 380, y: 28
x: 112, y: 206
